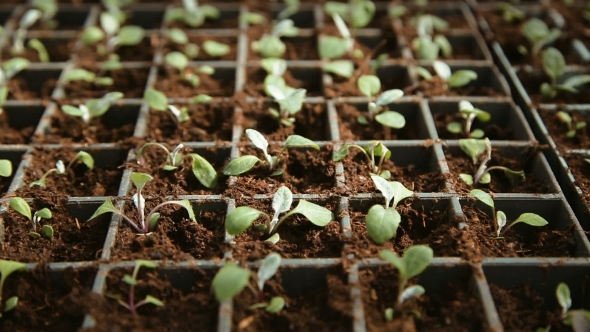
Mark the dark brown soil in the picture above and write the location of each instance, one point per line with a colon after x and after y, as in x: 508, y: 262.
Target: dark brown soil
x: 173, y: 86
x: 4, y: 184
x: 581, y: 172
x: 519, y: 241
x: 208, y: 122
x: 74, y: 240
x: 326, y: 307
x: 21, y: 89
x: 254, y: 86
x: 297, y: 48
x: 558, y: 130
x: 58, y: 50
x: 429, y: 225
x: 532, y: 83
x: 491, y: 130
x: 232, y: 42
x: 46, y: 303
x: 176, y: 237
x: 453, y: 308
x: 192, y: 300
x: 456, y: 20
x: 299, y: 237
x: 80, y: 181
x: 305, y: 172
x: 130, y: 81
x: 576, y: 25
x: 182, y: 181
x: 144, y: 51
x: 414, y: 177
x: 437, y: 87
x: 229, y: 21
x: 11, y: 135
x: 460, y: 163
x: 347, y: 87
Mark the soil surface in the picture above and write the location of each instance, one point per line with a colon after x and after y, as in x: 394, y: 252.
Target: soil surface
x: 532, y: 81
x: 144, y: 51
x: 130, y: 81
x: 299, y: 78
x: 437, y: 87
x: 14, y: 135
x: 558, y: 130
x: 57, y: 49
x: 24, y: 89
x: 581, y: 172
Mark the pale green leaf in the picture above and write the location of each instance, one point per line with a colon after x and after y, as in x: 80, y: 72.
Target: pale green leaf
x: 483, y: 197
x: 177, y: 60
x: 276, y: 304
x: 391, y: 119
x: 300, y: 141
x: 461, y: 78
x: 5, y: 168
x: 106, y: 207
x: 269, y: 266
x: 416, y: 259
x: 553, y: 63
x: 240, y: 165
x: 229, y: 281
x: 400, y: 192
x: 130, y: 35
x: 21, y: 206
x: 240, y: 218
x: 410, y: 292
x: 331, y: 47
x: 384, y: 187
x: 344, y: 68
x: 369, y: 85
x: 318, y: 215
x: 140, y: 179
x: 382, y: 223
x: 204, y: 171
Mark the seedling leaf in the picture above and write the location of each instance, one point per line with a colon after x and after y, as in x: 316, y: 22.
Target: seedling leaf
x: 483, y: 197
x: 130, y: 35
x: 240, y: 218
x: 473, y: 147
x: 461, y: 78
x: 86, y: 159
x: 240, y: 165
x: 106, y: 207
x: 382, y: 223
x: 344, y: 68
x: 140, y: 179
x: 442, y: 70
x: 332, y: 47
x: 531, y: 219
x: 300, y: 141
x: 152, y: 300
x: 21, y: 206
x: 399, y: 192
x: 394, y: 260
x: 410, y: 292
x: 229, y: 281
x: 215, y: 49
x: 276, y: 304
x: 369, y: 85
x: 553, y: 63
x: 5, y: 168
x: 269, y: 266
x: 384, y: 187
x: 501, y: 221
x: 204, y: 171
x: 563, y: 297
x: 318, y: 215
x: 10, y: 304
x: 156, y: 99
x: 177, y: 60
x: 416, y: 259
x: 467, y: 178
x: 389, y: 96
x: 391, y: 119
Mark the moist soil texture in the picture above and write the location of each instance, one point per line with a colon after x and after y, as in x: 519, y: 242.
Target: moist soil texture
x: 558, y: 130
x: 171, y: 83
x: 437, y: 87
x: 491, y: 130
x: 13, y: 135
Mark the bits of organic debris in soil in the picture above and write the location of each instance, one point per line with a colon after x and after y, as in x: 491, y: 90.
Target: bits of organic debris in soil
x: 518, y: 241
x: 72, y: 241
x: 437, y: 87
x: 299, y: 237
x: 460, y: 163
x: 426, y: 223
x: 79, y: 181
x: 172, y: 85
x: 305, y: 78
x: 10, y: 135
x: 492, y: 131
x: 306, y: 172
x: 452, y: 307
x: 189, y: 306
x: 176, y: 237
x: 559, y: 129
x: 47, y: 303
x: 144, y: 51
x: 358, y: 180
x: 130, y: 81
x: 324, y: 306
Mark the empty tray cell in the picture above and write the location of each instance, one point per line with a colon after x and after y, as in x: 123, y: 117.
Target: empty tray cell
x: 220, y: 84
x: 18, y: 123
x: 58, y: 50
x: 33, y: 84
x: 130, y: 81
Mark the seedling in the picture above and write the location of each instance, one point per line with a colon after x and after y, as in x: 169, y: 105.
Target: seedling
x: 245, y: 163
x: 290, y: 102
x: 510, y: 13
x: 271, y: 45
x: 383, y: 221
x: 191, y: 50
x: 21, y: 206
x: 572, y: 125
x: 414, y: 261
x: 357, y: 13
x: 191, y: 14
x: 370, y: 85
x: 159, y: 102
x: 202, y: 169
x: 45, y: 12
x: 241, y: 218
x: 554, y: 67
x: 180, y: 62
x: 232, y: 279
x: 539, y: 35
x: 5, y: 168
x: 453, y: 80
x: 291, y: 8
x: 9, y: 69
x: 578, y: 319
x: 332, y: 47
x: 371, y: 150
x: 101, y: 78
x: 500, y: 218
x: 146, y: 223
x: 131, y: 280
x: 111, y: 35
x: 60, y: 169
x: 6, y: 269
x: 93, y: 108
x: 469, y: 114
x: 474, y: 148
x: 427, y: 45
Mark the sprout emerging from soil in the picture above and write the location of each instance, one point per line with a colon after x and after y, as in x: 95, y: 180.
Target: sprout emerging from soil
x: 554, y: 67
x: 94, y: 107
x: 474, y: 148
x: 332, y: 47
x: 414, y: 261
x: 427, y: 45
x: 453, y: 80
x: 232, y: 279
x: 500, y: 218
x: 191, y: 13
x: 538, y: 35
x: 147, y: 222
x: 290, y: 100
x: 180, y: 62
x: 245, y: 163
x: 383, y: 221
x: 191, y: 50
x: 372, y: 150
x: 60, y: 169
x: 101, y: 78
x: 241, y: 218
x: 202, y: 169
x: 159, y: 102
x: 469, y: 114
x: 370, y: 85
x: 357, y: 13
x: 271, y: 45
x: 6, y: 269
x: 5, y: 168
x: 572, y: 125
x: 579, y: 319
x: 112, y: 33
x: 44, y: 11
x: 21, y: 206
x: 510, y: 13
x: 131, y: 280
x: 8, y: 70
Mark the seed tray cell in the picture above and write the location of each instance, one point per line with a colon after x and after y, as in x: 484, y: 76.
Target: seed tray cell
x: 18, y: 123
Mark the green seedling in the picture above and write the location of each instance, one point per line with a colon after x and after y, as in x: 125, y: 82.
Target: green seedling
x: 191, y: 50
x: 111, y: 35
x: 93, y: 108
x: 469, y: 114
x: 332, y: 47
x: 371, y: 150
x: 131, y: 280
x: 201, y: 168
x: 245, y: 163
x: 414, y: 261
x: 474, y: 148
x: 427, y: 45
x: 357, y: 13
x: 291, y: 8
x: 6, y: 269
x: 382, y: 221
x: 5, y: 168
x: 21, y: 206
x: 578, y: 319
x: 252, y: 18
x: 101, y: 78
x: 159, y: 102
x: 275, y: 69
x: 180, y: 61
x: 370, y: 85
x: 538, y: 35
x: 271, y: 45
x: 232, y: 279
x: 572, y: 125
x: 29, y: 18
x: 453, y: 80
x: 115, y: 8
x: 500, y: 219
x: 43, y: 12
x: 147, y: 222
x: 8, y: 70
x: 510, y: 13
x: 554, y: 67
x: 60, y: 169
x: 241, y: 218
x: 192, y: 14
